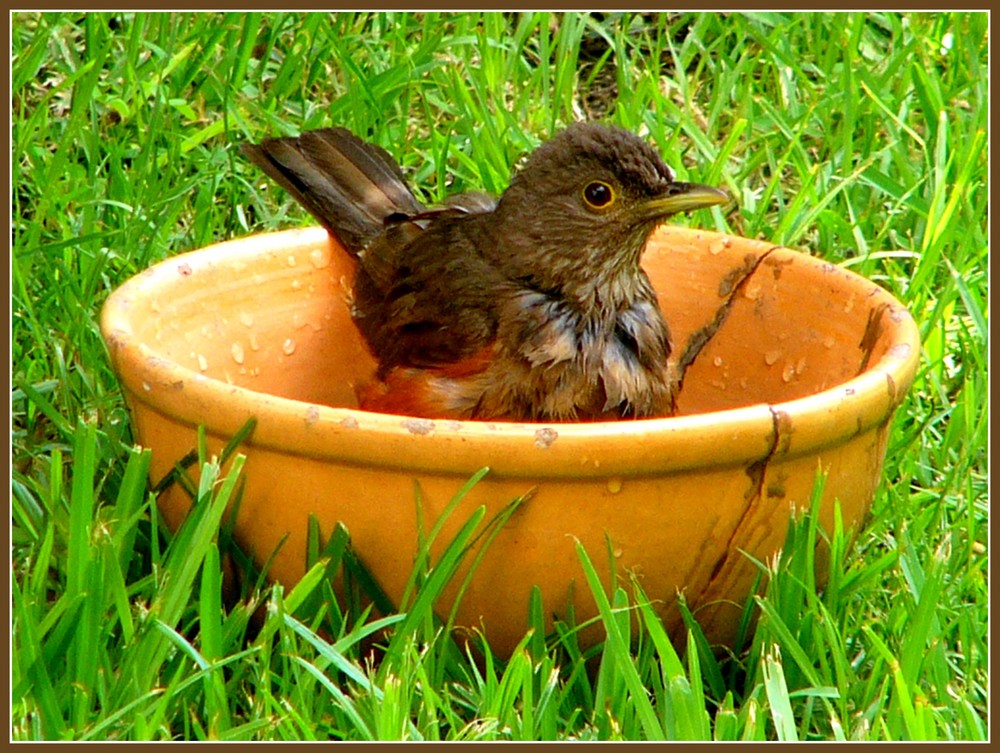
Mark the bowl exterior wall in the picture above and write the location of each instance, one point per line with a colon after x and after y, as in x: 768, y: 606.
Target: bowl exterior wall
x: 692, y: 532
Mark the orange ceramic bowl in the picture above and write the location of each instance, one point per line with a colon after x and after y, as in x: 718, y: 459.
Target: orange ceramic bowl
x: 792, y: 364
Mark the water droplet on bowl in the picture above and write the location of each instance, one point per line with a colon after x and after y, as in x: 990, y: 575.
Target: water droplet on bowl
x: 717, y: 360
x: 296, y: 284
x: 254, y: 345
x: 202, y: 362
x: 615, y: 485
x: 288, y: 346
x: 788, y: 373
x: 771, y: 357
x: 319, y: 258
x: 237, y: 351
x: 900, y: 350
x: 291, y: 260
x: 246, y: 318
x: 147, y: 386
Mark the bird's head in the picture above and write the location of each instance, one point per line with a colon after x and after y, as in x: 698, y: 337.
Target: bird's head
x: 578, y: 213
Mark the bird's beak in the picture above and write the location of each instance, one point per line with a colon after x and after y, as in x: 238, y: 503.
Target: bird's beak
x: 683, y: 197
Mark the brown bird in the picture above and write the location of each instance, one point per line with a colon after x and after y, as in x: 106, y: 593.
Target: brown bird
x: 532, y: 307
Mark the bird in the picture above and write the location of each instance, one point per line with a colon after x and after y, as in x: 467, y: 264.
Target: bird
x: 528, y: 307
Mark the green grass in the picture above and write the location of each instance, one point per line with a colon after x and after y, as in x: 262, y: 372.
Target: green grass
x: 861, y: 137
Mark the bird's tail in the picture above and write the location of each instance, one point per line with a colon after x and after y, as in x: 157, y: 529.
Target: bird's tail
x: 351, y: 186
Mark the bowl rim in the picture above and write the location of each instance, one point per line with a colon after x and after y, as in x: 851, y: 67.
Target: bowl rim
x: 634, y: 447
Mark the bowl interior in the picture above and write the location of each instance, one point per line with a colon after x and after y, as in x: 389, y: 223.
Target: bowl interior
x: 751, y: 323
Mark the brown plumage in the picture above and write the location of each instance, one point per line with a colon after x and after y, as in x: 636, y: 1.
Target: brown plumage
x: 532, y: 307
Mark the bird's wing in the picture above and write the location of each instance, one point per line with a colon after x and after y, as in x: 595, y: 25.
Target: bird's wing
x: 434, y: 303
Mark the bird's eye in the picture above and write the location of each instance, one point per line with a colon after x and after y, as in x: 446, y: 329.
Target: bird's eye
x: 598, y: 195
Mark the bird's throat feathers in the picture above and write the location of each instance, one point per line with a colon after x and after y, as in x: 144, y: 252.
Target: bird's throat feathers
x: 552, y: 329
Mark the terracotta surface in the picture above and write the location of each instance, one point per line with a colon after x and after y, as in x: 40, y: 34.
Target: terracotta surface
x: 792, y: 363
